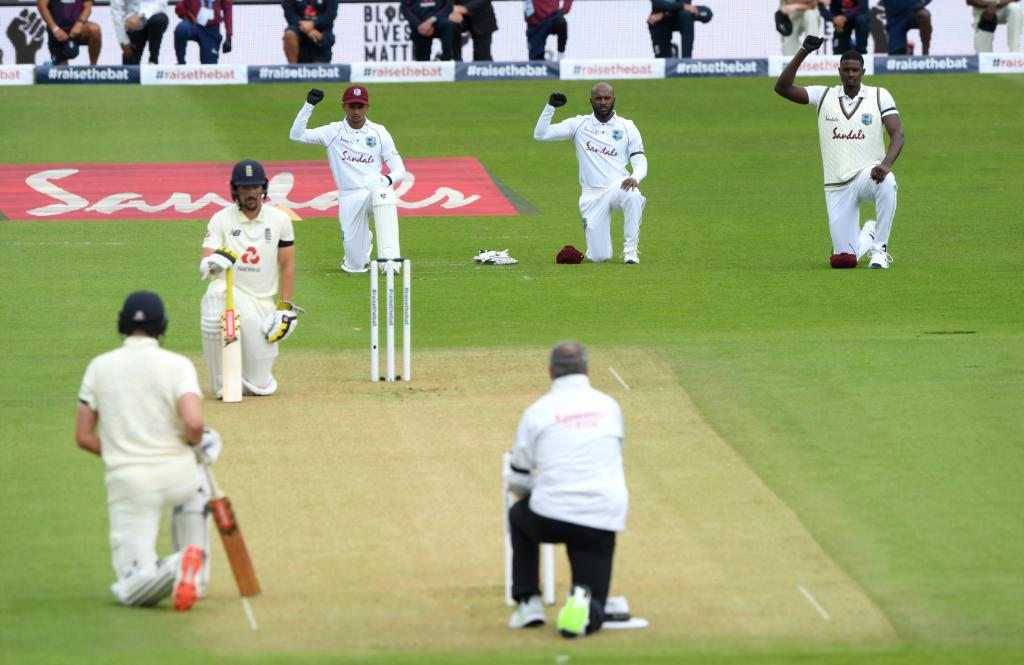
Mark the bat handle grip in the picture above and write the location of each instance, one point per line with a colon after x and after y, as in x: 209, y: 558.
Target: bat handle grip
x: 214, y: 487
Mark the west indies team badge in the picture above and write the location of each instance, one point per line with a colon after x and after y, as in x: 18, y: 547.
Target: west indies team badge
x: 867, y: 118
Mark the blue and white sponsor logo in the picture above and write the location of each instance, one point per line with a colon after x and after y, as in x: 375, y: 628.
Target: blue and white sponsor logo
x: 296, y: 73
x: 497, y: 71
x: 867, y: 118
x: 74, y: 74
x: 717, y: 67
x: 926, y: 64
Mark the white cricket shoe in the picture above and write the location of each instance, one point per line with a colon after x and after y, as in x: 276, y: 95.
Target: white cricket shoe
x: 354, y: 271
x: 880, y: 258
x: 631, y: 256
x: 529, y: 614
x: 867, y: 237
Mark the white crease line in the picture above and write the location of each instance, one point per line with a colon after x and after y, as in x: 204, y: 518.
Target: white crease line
x: 248, y: 613
x: 617, y: 377
x: 814, y: 603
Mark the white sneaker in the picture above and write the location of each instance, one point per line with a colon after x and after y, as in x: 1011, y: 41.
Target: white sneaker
x: 880, y: 258
x: 631, y: 256
x: 529, y: 614
x: 354, y: 271
x: 867, y: 237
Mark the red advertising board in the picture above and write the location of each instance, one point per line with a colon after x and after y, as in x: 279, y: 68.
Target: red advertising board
x: 447, y: 186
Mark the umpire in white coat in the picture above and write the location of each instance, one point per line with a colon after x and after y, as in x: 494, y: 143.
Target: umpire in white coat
x: 567, y: 461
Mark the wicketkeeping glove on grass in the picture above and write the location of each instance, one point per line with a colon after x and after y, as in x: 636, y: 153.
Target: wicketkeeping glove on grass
x: 208, y: 450
x: 282, y: 322
x: 217, y: 262
x: 494, y: 257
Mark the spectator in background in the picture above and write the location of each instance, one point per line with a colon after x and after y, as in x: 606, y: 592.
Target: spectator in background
x: 850, y: 19
x: 137, y: 23
x: 428, y: 19
x: 543, y: 18
x: 69, y: 27
x: 309, y: 36
x: 477, y: 18
x: 876, y: 20
x: 990, y: 13
x: 668, y: 16
x: 200, y: 23
x: 794, y: 19
x: 902, y: 16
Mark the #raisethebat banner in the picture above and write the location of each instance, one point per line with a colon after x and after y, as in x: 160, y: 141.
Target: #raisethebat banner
x: 376, y: 32
x: 454, y: 186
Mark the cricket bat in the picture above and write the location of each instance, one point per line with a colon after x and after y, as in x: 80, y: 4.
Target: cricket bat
x: 231, y: 537
x: 231, y: 349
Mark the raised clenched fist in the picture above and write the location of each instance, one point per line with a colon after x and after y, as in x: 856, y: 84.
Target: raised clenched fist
x: 557, y: 99
x: 812, y: 43
x: 314, y: 96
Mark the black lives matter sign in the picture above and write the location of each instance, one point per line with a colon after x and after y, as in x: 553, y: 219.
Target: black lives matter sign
x: 385, y: 34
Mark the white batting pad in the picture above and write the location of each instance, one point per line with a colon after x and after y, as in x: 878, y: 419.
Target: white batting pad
x: 146, y: 587
x: 211, y: 309
x: 190, y: 524
x: 385, y: 222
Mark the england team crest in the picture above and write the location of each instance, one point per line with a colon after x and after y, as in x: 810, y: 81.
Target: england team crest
x: 867, y: 118
x: 371, y: 141
x: 617, y: 134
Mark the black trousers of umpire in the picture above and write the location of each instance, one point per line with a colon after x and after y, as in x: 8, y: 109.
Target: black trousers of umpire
x: 590, y: 556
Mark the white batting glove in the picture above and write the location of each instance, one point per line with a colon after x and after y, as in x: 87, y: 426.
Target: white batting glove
x: 219, y: 261
x: 281, y: 323
x: 208, y: 450
x: 376, y: 181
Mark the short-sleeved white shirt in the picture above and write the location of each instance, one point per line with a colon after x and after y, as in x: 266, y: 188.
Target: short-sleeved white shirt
x: 571, y: 439
x: 255, y: 242
x: 603, y: 149
x: 886, y: 104
x: 135, y: 390
x: 355, y: 155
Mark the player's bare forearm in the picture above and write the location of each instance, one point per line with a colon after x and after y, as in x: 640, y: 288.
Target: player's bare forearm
x: 286, y: 262
x: 894, y: 127
x: 191, y: 415
x: 85, y: 430
x: 784, y: 84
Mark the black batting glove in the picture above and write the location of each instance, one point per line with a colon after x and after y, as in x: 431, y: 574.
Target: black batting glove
x: 557, y: 99
x: 314, y: 97
x: 812, y: 43
x: 227, y: 46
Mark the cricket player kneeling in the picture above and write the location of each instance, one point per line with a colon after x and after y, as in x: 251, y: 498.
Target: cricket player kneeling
x: 140, y: 411
x: 262, y: 239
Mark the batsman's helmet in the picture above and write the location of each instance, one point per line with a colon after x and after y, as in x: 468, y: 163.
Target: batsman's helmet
x: 143, y: 310
x: 248, y: 172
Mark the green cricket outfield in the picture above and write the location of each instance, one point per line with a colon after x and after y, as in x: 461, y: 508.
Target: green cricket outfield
x: 825, y: 466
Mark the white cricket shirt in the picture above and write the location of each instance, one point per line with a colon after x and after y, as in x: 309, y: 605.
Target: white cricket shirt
x: 135, y: 390
x: 603, y: 149
x: 571, y: 439
x: 355, y: 155
x: 255, y: 242
x: 850, y: 130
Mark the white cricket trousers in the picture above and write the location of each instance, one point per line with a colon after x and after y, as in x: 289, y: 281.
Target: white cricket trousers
x: 844, y: 211
x: 354, y: 208
x: 596, y: 206
x: 805, y: 22
x: 142, y: 579
x: 1012, y: 16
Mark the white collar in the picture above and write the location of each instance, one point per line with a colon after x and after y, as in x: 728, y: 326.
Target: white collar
x: 570, y: 381
x: 140, y: 341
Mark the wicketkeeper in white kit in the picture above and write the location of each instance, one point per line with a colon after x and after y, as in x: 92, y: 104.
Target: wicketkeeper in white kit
x: 356, y: 150
x: 605, y: 143
x: 853, y: 120
x: 257, y: 242
x: 145, y: 403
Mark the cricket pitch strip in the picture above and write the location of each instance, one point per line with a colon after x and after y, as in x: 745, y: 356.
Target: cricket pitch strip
x: 373, y: 514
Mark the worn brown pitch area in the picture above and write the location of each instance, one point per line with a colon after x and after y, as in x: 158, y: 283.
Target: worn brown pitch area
x: 373, y: 512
